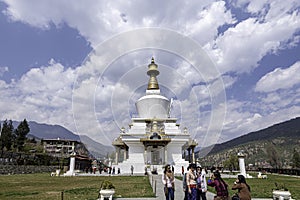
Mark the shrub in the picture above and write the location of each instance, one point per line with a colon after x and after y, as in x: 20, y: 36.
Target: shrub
x: 107, y: 185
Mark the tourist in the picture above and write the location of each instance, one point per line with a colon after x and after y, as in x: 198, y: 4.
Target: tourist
x: 168, y: 180
x: 184, y: 185
x: 191, y: 180
x: 220, y: 186
x: 131, y: 168
x: 242, y: 187
x: 201, y: 183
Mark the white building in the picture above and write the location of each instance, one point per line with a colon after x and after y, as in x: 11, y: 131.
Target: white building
x: 153, y: 139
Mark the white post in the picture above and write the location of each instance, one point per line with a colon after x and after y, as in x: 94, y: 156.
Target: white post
x: 166, y: 155
x: 241, y: 157
x: 72, y: 165
x: 145, y: 156
x: 117, y: 156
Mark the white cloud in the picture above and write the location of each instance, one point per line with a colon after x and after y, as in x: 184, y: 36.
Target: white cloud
x: 242, y: 119
x: 268, y: 9
x: 240, y: 48
x: 94, y: 19
x: 105, y: 18
x: 279, y: 79
x: 207, y: 22
x: 3, y: 70
x: 103, y: 101
x: 42, y: 94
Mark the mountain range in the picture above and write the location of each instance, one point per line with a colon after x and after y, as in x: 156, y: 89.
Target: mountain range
x: 273, y: 144
x: 282, y: 137
x: 45, y: 131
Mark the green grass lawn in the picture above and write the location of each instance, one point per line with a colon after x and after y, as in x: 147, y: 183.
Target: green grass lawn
x: 42, y: 186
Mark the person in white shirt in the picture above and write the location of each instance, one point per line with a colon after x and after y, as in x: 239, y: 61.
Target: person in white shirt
x: 201, y: 183
x: 168, y: 180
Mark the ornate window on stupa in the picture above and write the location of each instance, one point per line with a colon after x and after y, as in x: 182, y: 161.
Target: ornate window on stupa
x: 155, y: 136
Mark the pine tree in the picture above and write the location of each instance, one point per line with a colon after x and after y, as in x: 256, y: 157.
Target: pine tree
x: 1, y: 142
x: 21, y: 133
x: 7, y: 135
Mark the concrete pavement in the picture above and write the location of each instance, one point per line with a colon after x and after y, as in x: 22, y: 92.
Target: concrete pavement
x: 158, y: 189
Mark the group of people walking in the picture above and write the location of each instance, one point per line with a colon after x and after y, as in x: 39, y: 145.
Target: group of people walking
x: 195, y: 185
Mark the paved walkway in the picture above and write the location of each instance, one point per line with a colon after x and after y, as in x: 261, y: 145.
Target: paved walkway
x: 157, y: 185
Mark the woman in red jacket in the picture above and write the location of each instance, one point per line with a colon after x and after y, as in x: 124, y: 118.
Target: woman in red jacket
x: 220, y: 186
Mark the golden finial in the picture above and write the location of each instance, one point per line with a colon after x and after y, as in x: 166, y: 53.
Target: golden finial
x: 152, y: 60
x: 152, y: 72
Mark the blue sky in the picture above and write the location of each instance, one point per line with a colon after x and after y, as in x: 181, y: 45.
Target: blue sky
x: 51, y: 64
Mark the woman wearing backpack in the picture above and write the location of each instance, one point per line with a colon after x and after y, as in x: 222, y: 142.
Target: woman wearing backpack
x: 220, y: 186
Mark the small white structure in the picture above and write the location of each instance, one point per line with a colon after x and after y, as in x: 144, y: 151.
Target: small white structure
x: 71, y: 171
x: 263, y: 176
x: 154, y: 139
x: 56, y: 173
x: 281, y: 195
x: 107, y: 193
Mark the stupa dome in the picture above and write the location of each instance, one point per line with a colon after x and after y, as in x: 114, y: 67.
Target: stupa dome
x: 153, y: 104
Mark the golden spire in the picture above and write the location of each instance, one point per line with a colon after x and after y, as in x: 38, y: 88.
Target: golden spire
x: 152, y: 72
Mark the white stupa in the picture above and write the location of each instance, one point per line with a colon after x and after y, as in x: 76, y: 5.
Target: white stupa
x: 153, y: 139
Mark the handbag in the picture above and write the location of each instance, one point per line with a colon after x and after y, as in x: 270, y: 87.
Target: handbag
x: 235, y: 197
x: 166, y: 190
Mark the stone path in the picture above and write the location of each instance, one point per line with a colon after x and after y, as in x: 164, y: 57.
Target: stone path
x: 156, y: 182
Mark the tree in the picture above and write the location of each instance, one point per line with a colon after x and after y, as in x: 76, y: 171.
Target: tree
x: 21, y: 133
x: 273, y: 156
x: 7, y: 135
x: 1, y: 141
x: 232, y: 163
x: 296, y: 159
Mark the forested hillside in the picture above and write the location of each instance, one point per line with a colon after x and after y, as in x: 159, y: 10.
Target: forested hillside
x: 275, y: 146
